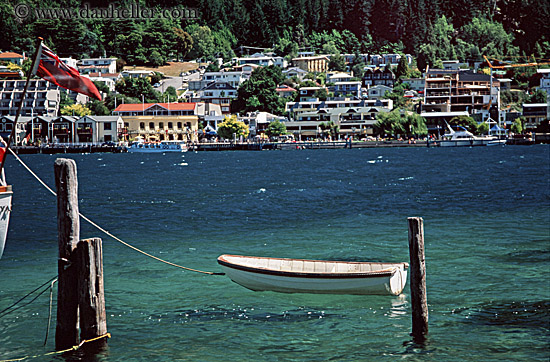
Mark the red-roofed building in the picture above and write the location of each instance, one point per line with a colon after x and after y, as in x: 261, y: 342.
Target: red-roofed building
x: 285, y: 91
x: 12, y: 58
x: 161, y: 121
x: 155, y: 109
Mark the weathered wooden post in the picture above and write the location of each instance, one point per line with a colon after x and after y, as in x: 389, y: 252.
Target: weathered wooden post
x: 80, y: 293
x: 91, y: 297
x: 68, y: 226
x: 419, y: 301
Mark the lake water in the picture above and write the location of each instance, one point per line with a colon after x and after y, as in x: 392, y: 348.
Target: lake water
x: 485, y: 210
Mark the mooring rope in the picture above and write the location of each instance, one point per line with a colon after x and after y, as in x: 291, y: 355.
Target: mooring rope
x: 73, y: 348
x: 50, y: 313
x: 7, y: 310
x: 107, y: 232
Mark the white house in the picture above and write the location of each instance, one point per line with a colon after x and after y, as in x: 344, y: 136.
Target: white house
x: 136, y: 73
x: 97, y: 65
x: 378, y: 91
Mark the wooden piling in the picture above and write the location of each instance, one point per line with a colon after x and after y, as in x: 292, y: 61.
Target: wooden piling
x: 68, y: 227
x: 80, y: 294
x: 417, y: 269
x: 91, y: 297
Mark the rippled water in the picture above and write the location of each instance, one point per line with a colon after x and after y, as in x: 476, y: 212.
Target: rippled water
x: 485, y: 211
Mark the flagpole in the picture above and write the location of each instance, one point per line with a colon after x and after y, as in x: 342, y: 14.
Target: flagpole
x: 20, y: 107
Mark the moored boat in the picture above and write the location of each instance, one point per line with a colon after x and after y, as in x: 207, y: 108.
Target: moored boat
x: 157, y: 147
x: 464, y: 138
x: 314, y: 276
x: 5, y: 210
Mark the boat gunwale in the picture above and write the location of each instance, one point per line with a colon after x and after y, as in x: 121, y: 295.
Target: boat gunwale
x: 322, y: 275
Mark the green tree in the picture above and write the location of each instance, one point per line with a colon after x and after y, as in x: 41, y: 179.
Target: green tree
x: 76, y: 110
x: 337, y: 62
x: 258, y: 93
x: 275, y: 128
x: 489, y: 37
x: 98, y: 108
x: 231, y: 128
x: 517, y: 126
x: 398, y: 123
x: 136, y: 88
x: 402, y: 68
x: 538, y: 96
x: 330, y: 128
x: 482, y: 128
x: 203, y: 42
x: 464, y: 121
x: 171, y: 94
x: 184, y: 42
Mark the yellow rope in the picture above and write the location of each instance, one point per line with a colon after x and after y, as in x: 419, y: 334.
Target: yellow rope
x: 108, y: 233
x: 73, y: 348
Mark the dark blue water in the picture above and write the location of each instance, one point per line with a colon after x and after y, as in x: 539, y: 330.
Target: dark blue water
x: 485, y: 211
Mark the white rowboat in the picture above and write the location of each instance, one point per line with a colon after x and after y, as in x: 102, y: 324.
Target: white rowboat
x: 314, y: 276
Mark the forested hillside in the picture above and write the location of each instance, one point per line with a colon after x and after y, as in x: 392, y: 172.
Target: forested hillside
x: 429, y: 29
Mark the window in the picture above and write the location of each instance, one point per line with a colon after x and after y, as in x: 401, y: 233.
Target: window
x: 107, y: 126
x: 151, y: 125
x: 179, y: 125
x: 170, y: 125
x: 142, y: 125
x: 161, y: 125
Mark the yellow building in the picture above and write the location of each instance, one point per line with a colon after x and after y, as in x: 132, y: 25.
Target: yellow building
x: 160, y: 121
x: 312, y: 64
x: 159, y: 128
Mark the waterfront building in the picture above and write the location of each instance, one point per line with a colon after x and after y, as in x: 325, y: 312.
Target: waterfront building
x: 457, y: 91
x: 545, y: 86
x: 258, y: 122
x: 534, y: 114
x: 296, y: 109
x: 165, y: 121
x: 98, y: 129
x: 6, y: 126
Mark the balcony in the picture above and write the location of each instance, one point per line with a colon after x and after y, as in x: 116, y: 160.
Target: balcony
x: 84, y: 131
x: 60, y: 131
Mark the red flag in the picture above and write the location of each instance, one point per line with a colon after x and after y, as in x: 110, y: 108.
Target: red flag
x: 51, y: 68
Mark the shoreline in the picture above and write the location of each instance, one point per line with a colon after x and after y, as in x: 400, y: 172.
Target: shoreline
x: 230, y: 146
x: 220, y: 146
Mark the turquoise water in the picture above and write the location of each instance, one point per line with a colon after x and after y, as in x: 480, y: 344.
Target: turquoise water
x: 485, y: 211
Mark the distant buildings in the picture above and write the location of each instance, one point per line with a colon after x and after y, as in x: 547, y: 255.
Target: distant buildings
x: 42, y: 97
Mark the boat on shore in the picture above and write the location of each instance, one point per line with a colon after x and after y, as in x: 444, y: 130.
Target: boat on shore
x: 315, y: 276
x: 157, y: 147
